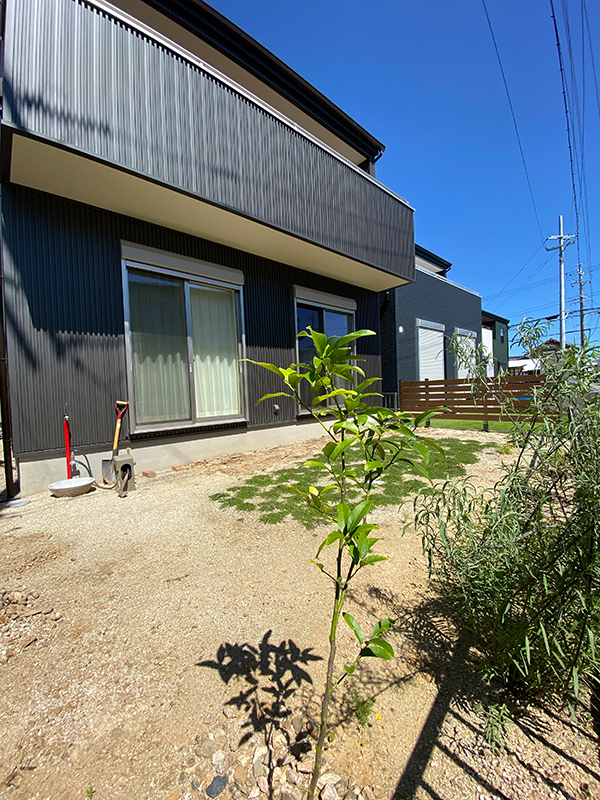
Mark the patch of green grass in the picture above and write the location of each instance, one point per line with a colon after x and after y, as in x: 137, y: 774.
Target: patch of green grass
x: 360, y: 706
x: 470, y: 424
x: 275, y: 497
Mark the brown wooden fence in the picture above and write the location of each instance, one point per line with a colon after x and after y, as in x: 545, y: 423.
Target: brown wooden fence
x: 456, y: 395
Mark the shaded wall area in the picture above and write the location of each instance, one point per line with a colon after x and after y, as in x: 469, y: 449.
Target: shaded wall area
x: 65, y: 316
x: 430, y: 298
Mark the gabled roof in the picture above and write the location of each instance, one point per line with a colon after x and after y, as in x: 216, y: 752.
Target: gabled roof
x: 207, y: 23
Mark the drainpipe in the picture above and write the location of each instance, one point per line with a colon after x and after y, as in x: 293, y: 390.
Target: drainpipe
x: 11, y: 488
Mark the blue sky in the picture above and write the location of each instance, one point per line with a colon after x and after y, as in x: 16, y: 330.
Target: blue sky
x: 424, y: 79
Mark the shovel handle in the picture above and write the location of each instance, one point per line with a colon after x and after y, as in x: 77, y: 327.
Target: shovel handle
x: 121, y: 407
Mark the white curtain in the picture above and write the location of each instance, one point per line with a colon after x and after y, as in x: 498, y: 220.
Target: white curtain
x: 159, y: 345
x: 215, y: 345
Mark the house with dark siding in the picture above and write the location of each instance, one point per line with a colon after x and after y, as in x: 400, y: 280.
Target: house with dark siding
x: 494, y: 331
x: 418, y: 320
x: 174, y: 199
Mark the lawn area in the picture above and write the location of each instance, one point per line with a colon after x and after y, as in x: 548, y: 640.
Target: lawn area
x: 470, y: 424
x: 275, y: 495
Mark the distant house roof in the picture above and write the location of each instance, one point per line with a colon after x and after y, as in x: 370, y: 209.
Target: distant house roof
x: 205, y: 22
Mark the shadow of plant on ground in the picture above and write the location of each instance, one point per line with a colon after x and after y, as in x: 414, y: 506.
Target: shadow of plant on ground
x: 271, y: 675
x: 430, y: 644
x: 273, y: 494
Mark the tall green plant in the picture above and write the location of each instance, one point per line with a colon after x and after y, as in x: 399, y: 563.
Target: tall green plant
x: 341, y: 401
x: 521, y: 561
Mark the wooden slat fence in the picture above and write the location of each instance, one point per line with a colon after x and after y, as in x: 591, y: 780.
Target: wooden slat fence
x: 456, y: 395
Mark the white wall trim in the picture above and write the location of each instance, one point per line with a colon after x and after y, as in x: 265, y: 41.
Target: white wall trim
x: 433, y: 326
x: 324, y: 299
x: 161, y: 258
x: 446, y: 280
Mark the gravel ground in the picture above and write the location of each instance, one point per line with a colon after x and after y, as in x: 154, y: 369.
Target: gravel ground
x: 157, y: 646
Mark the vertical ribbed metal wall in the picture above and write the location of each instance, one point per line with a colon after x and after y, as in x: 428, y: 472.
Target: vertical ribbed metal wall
x: 65, y: 318
x: 78, y: 76
x: 430, y: 298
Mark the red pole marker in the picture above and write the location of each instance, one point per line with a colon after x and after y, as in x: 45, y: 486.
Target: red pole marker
x: 67, y: 444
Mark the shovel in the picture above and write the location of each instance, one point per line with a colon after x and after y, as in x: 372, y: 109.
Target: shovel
x: 108, y: 471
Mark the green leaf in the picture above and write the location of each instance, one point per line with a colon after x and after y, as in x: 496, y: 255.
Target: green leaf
x: 354, y: 625
x: 271, y: 367
x: 274, y: 394
x: 329, y: 448
x: 372, y: 559
x: 341, y: 447
x: 318, y: 464
x: 350, y: 337
x: 358, y: 512
x: 362, y: 543
x: 349, y: 668
x: 382, y: 626
x: 343, y: 515
x: 575, y: 682
x: 378, y: 648
x: 545, y: 638
x: 333, y: 537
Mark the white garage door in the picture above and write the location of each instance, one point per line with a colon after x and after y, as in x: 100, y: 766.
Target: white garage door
x: 469, y: 341
x: 431, y: 354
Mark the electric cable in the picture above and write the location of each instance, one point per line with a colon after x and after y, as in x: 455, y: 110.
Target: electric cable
x: 514, y: 119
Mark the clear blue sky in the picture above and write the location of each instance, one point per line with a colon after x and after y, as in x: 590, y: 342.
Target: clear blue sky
x: 424, y: 79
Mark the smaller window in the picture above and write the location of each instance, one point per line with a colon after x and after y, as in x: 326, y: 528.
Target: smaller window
x: 316, y: 310
x: 502, y: 335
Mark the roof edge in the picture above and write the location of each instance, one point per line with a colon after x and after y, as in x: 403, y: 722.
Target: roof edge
x: 421, y: 252
x: 209, y: 24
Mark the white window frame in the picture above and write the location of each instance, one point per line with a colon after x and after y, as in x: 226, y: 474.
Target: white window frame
x: 192, y: 273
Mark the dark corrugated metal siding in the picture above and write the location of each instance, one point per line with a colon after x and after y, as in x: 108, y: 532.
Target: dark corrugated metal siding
x: 429, y: 298
x: 78, y: 76
x: 64, y: 316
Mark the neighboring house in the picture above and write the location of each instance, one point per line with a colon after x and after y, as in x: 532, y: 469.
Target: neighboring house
x: 174, y: 199
x: 532, y: 364
x: 417, y: 321
x: 494, y: 335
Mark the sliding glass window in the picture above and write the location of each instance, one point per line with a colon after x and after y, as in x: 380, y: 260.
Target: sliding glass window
x: 184, y: 349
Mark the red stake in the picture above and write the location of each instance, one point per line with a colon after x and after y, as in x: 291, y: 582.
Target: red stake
x: 67, y: 444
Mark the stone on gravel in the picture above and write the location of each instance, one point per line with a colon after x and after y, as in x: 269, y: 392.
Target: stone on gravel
x: 263, y: 784
x: 216, y: 786
x: 260, y: 752
x: 149, y: 473
x: 329, y: 777
x: 259, y: 769
x: 239, y: 775
x: 329, y: 792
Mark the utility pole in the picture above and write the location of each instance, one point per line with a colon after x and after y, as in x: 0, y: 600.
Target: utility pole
x: 581, y: 299
x: 561, y: 274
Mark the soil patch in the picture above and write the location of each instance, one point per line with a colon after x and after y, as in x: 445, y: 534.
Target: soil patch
x: 160, y: 646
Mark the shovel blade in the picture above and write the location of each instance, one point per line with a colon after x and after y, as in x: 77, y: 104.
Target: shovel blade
x: 108, y: 472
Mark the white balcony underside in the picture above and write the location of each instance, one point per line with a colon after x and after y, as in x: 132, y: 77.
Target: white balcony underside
x: 40, y: 165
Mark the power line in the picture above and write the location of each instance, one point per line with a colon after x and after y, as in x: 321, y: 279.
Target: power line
x: 492, y: 297
x: 541, y: 266
x: 514, y: 119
